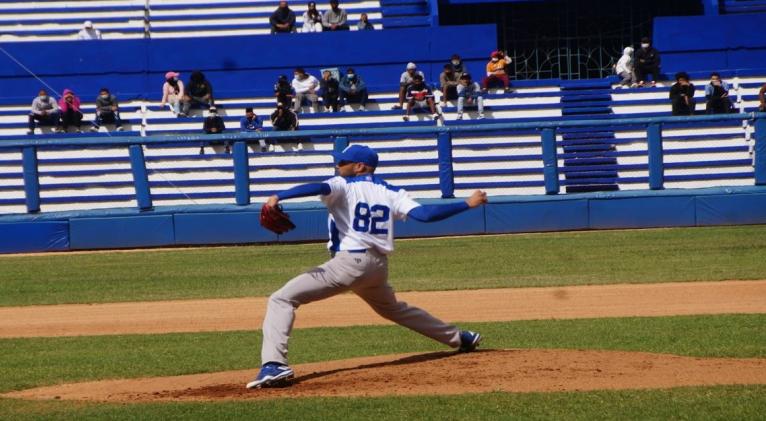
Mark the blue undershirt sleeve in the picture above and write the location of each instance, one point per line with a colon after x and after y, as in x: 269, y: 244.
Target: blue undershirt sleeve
x: 304, y: 190
x: 433, y: 213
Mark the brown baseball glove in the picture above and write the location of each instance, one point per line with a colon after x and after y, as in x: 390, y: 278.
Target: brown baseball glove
x: 274, y: 219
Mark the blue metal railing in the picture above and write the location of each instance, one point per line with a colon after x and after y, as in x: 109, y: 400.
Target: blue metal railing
x: 342, y: 137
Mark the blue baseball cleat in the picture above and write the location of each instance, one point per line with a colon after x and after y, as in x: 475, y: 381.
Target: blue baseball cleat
x: 272, y: 375
x: 469, y: 341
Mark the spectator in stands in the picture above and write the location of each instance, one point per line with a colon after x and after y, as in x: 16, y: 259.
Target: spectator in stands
x: 496, y: 71
x: 173, y: 93
x: 335, y: 19
x: 107, y: 111
x: 364, y: 23
x: 70, y: 111
x: 88, y: 32
x: 353, y: 89
x: 251, y: 123
x: 682, y: 95
x: 457, y: 65
x: 405, y: 80
x: 648, y: 62
x: 330, y: 91
x: 305, y: 86
x: 448, y: 81
x: 283, y: 19
x: 198, y: 91
x: 717, y: 95
x: 312, y: 19
x: 624, y: 69
x: 44, y: 110
x: 284, y: 119
x: 469, y: 93
x: 420, y: 95
x: 213, y: 124
x: 283, y: 91
x: 762, y: 98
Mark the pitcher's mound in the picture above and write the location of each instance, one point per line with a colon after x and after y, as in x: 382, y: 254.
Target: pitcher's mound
x: 438, y: 373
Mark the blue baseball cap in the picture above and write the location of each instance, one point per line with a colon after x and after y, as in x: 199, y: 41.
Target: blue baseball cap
x: 357, y: 153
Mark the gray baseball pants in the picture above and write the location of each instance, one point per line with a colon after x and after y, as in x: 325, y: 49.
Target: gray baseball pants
x: 366, y: 274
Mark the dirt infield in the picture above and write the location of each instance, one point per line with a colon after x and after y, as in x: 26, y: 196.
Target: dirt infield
x: 650, y: 300
x: 439, y: 373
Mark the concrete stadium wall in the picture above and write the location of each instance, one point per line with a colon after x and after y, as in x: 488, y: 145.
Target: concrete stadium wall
x: 236, y: 66
x: 711, y: 43
x: 229, y: 224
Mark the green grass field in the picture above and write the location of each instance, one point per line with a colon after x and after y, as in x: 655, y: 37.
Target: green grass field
x: 577, y: 258
x: 463, y: 263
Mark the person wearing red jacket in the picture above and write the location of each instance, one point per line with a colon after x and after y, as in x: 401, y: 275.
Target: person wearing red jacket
x: 70, y: 110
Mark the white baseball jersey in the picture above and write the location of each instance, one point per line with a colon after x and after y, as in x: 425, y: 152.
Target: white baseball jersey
x: 362, y: 212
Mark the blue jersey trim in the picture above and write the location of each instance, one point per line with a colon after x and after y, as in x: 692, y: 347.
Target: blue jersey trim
x: 334, y: 237
x: 371, y: 179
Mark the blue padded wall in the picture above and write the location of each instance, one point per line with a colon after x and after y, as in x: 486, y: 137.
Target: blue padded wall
x: 121, y: 232
x: 555, y: 215
x: 220, y: 228
x: 730, y: 210
x: 139, y: 67
x: 642, y: 212
x: 28, y: 237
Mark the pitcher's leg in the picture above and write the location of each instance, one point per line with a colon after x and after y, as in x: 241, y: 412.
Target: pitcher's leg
x: 319, y: 283
x: 380, y: 296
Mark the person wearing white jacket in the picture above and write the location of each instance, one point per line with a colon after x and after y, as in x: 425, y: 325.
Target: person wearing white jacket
x: 624, y: 68
x: 305, y: 86
x: 312, y: 19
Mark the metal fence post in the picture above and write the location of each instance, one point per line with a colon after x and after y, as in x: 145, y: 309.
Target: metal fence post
x: 31, y: 178
x: 550, y: 161
x: 760, y: 151
x: 446, y: 173
x: 340, y: 143
x: 140, y: 177
x: 241, y: 174
x: 656, y: 162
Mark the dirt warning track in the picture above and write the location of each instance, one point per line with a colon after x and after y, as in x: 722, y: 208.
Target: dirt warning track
x: 624, y: 300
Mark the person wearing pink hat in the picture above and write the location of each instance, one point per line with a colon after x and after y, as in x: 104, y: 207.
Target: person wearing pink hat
x: 173, y: 93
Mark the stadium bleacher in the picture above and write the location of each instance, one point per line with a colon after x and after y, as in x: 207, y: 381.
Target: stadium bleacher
x: 697, y: 155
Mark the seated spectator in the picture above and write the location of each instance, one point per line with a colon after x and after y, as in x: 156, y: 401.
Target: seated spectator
x: 251, y: 123
x: 448, y: 81
x: 353, y: 89
x: 88, y: 32
x: 457, y: 65
x: 283, y: 91
x: 198, y: 91
x: 44, y: 110
x: 213, y: 124
x: 762, y: 98
x: 305, y: 86
x: 647, y: 62
x: 624, y: 69
x: 682, y: 95
x: 469, y: 93
x: 312, y: 19
x: 496, y: 71
x: 173, y: 93
x: 405, y: 80
x: 364, y: 23
x: 107, y: 111
x: 71, y: 115
x: 420, y: 95
x: 335, y: 19
x: 283, y: 19
x: 717, y: 95
x: 284, y: 119
x: 330, y: 91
